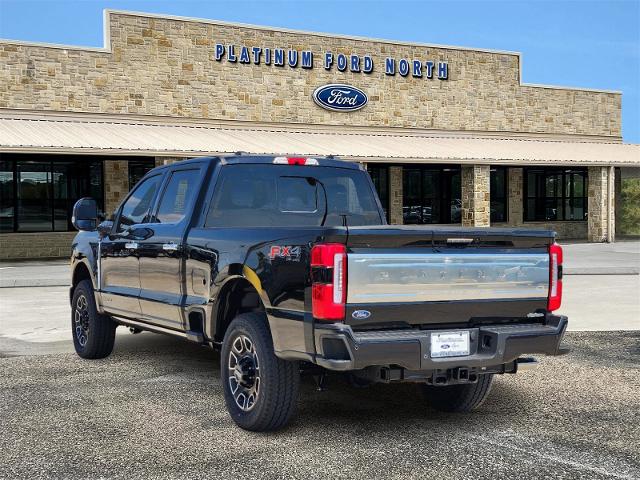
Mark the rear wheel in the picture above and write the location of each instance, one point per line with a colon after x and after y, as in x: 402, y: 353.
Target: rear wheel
x: 459, y: 398
x: 93, y: 333
x: 260, y: 389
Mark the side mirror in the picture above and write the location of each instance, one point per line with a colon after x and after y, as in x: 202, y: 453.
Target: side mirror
x: 85, y: 214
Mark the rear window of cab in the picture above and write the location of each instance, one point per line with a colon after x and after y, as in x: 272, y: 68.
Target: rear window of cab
x: 283, y: 195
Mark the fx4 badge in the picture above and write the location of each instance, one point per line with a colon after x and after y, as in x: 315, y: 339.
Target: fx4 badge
x: 288, y: 252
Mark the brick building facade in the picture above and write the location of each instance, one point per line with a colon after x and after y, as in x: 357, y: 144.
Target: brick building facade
x: 200, y: 87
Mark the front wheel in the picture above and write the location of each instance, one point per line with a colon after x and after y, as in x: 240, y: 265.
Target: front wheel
x: 459, y: 398
x: 93, y: 333
x: 260, y: 389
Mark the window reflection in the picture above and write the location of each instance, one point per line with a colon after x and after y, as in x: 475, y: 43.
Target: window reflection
x: 498, y: 194
x: 431, y: 195
x: 37, y: 192
x: 554, y: 194
x: 7, y: 201
x: 380, y: 177
x: 34, y: 197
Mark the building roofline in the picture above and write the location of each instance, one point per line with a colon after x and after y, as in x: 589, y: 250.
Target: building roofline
x: 293, y: 127
x: 106, y: 48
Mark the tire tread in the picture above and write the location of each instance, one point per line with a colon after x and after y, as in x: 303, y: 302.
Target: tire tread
x: 102, y: 329
x: 281, y: 397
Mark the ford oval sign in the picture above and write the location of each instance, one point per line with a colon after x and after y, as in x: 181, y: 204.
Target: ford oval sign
x: 340, y: 98
x: 361, y: 314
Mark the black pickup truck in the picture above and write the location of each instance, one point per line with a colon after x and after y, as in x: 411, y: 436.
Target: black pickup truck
x: 286, y: 264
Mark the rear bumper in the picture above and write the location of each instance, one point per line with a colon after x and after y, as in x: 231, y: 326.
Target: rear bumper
x: 339, y: 348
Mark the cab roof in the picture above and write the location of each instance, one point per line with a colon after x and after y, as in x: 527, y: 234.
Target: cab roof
x: 241, y: 158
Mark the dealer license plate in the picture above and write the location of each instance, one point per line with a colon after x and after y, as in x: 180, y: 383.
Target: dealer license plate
x: 449, y: 344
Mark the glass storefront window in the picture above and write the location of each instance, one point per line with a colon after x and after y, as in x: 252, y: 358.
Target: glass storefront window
x: 37, y: 192
x: 498, y: 194
x: 7, y: 197
x: 138, y: 169
x: 34, y: 197
x: 431, y: 195
x: 380, y: 177
x: 555, y: 194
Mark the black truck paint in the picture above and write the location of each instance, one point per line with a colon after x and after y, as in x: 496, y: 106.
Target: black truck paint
x: 187, y: 270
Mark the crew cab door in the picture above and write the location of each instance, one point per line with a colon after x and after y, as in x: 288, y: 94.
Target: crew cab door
x: 119, y: 261
x: 162, y: 253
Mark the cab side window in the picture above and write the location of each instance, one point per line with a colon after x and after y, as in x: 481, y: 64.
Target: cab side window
x: 137, y: 206
x: 178, y: 196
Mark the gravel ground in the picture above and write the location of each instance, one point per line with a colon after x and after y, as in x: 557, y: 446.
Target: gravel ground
x: 154, y: 409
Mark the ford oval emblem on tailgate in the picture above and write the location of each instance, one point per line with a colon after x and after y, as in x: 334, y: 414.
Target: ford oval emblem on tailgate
x: 361, y: 314
x: 340, y: 98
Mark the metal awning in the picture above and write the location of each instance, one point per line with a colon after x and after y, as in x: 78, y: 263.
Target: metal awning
x: 173, y: 137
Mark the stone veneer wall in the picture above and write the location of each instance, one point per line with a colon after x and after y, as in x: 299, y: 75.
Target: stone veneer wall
x: 116, y: 183
x: 475, y: 195
x: 598, y: 221
x: 395, y: 195
x: 18, y: 246
x: 167, y: 67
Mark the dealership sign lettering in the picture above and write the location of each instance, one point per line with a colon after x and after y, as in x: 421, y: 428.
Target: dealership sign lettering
x: 292, y: 58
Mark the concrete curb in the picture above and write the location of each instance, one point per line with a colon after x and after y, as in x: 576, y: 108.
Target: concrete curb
x: 602, y: 271
x: 25, y: 283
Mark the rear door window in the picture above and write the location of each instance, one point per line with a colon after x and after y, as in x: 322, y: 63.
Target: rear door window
x: 279, y: 195
x: 177, y: 197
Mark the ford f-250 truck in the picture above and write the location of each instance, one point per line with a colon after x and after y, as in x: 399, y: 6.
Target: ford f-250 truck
x: 287, y: 263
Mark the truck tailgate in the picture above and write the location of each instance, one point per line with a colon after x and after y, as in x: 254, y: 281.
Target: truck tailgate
x: 423, y: 275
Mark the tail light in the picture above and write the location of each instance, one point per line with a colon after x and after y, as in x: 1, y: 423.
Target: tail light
x: 555, y: 277
x: 329, y: 281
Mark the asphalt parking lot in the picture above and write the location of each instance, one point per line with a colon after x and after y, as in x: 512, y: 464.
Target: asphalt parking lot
x: 154, y: 409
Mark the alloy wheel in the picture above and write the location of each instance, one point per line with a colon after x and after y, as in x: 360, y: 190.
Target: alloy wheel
x: 81, y: 320
x: 244, y: 372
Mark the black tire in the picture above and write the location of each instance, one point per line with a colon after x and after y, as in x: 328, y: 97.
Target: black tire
x: 276, y: 395
x: 93, y: 334
x: 459, y: 398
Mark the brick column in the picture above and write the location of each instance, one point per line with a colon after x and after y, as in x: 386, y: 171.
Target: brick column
x: 395, y: 195
x: 475, y: 195
x: 116, y: 184
x: 601, y: 200
x: 618, y: 201
x: 515, y: 188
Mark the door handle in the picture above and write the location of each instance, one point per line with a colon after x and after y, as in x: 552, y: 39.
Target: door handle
x: 170, y: 247
x: 131, y: 245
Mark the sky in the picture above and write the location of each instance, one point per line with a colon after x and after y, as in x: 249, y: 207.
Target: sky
x: 577, y: 43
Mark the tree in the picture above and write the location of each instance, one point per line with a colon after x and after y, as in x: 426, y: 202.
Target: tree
x: 630, y: 203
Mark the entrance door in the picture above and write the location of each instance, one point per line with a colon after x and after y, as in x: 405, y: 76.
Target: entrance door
x: 162, y: 254
x: 431, y: 194
x: 119, y: 260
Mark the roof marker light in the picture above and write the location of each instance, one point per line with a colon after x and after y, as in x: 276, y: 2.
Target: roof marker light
x: 295, y: 161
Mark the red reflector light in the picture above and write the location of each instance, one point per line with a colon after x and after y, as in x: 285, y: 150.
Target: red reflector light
x: 329, y: 289
x: 555, y: 277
